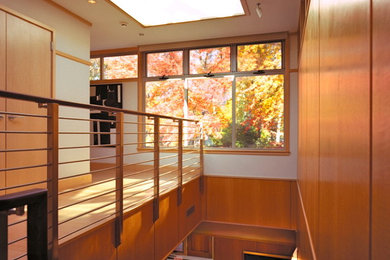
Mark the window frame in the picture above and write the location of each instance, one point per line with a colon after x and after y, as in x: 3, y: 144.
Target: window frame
x: 114, y: 53
x: 284, y: 70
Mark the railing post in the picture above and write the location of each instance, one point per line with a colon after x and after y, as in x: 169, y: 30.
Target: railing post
x: 156, y: 168
x: 4, y: 235
x: 37, y: 229
x: 119, y: 179
x: 180, y: 163
x: 52, y: 177
x: 201, y: 161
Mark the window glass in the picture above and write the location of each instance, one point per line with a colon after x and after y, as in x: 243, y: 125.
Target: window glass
x: 94, y: 69
x: 164, y: 63
x: 164, y: 98
x: 264, y: 56
x: 260, y: 112
x: 210, y: 101
x: 120, y: 67
x: 240, y: 110
x: 210, y: 60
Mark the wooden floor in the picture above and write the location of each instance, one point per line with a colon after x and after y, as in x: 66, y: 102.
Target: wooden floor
x: 96, y: 204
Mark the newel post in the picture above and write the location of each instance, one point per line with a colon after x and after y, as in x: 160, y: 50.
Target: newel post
x: 180, y: 163
x: 52, y: 177
x: 119, y: 179
x: 156, y: 168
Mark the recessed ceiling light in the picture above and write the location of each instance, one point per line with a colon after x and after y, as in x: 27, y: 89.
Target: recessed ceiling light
x: 124, y: 24
x: 157, y: 12
x: 92, y: 1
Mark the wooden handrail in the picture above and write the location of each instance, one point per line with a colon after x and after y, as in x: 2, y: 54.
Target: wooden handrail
x: 14, y: 95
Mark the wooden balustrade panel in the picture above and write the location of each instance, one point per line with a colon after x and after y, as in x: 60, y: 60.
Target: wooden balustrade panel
x: 190, y: 210
x: 95, y: 244
x: 381, y: 136
x: 344, y: 204
x: 249, y: 201
x: 166, y: 228
x: 138, y: 234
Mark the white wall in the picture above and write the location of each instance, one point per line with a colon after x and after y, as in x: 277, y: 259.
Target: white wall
x: 72, y: 78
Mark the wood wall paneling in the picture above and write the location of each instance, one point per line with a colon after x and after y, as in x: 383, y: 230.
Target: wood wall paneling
x: 381, y: 125
x: 138, y: 234
x: 345, y: 129
x: 249, y: 201
x: 2, y: 100
x: 308, y: 174
x: 166, y: 235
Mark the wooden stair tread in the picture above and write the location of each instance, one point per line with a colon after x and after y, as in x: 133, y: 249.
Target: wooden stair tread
x: 247, y: 232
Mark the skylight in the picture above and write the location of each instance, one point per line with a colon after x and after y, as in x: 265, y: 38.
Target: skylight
x: 158, y: 12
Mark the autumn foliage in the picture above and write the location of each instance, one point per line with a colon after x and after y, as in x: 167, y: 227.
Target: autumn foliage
x: 259, y: 99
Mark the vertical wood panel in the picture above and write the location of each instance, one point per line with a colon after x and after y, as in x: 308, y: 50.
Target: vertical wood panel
x: 166, y: 227
x: 308, y: 174
x: 2, y: 100
x: 249, y: 201
x: 345, y: 129
x: 95, y: 244
x: 189, y: 218
x: 138, y: 234
x: 200, y: 245
x: 29, y: 71
x: 381, y: 135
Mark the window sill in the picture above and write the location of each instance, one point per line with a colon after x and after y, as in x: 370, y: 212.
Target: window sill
x: 247, y: 152
x: 112, y: 81
x: 226, y: 151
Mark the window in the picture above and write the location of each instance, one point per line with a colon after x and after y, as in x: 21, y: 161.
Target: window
x: 210, y: 60
x: 260, y: 111
x: 113, y: 67
x: 94, y: 69
x: 120, y: 67
x: 210, y: 100
x: 264, y: 56
x: 165, y: 63
x: 241, y: 107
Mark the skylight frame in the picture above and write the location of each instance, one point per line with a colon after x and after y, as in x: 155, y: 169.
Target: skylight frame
x: 243, y: 5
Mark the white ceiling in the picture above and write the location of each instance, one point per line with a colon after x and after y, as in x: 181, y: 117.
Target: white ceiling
x: 107, y: 33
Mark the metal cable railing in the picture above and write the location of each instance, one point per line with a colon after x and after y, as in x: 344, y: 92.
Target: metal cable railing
x: 95, y: 169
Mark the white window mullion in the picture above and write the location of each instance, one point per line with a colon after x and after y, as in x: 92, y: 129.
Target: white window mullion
x: 234, y: 129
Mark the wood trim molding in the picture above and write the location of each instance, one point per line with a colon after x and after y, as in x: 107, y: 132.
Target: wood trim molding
x: 26, y: 18
x: 120, y: 51
x: 112, y: 81
x: 68, y: 12
x: 73, y: 58
x: 248, y: 178
x: 214, y: 42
